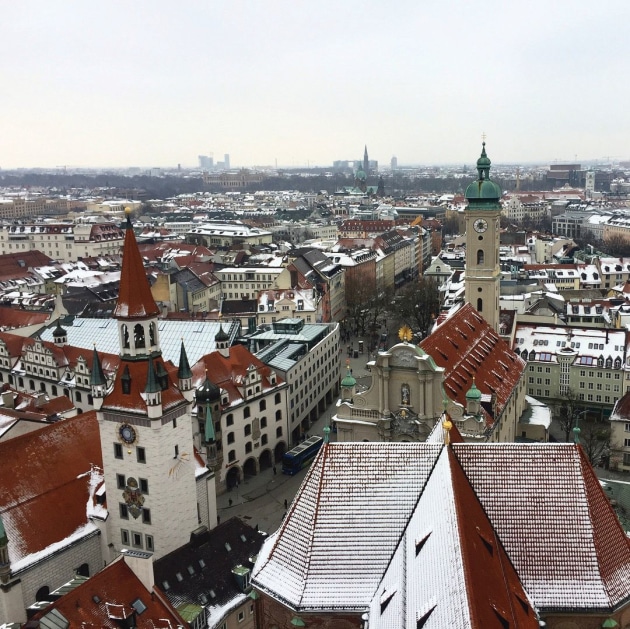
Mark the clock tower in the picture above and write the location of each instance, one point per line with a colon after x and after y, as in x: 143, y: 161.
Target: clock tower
x: 483, y: 273
x: 145, y: 427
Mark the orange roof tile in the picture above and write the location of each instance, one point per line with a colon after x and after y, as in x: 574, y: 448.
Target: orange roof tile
x: 133, y: 401
x: 467, y: 347
x: 134, y: 296
x: 15, y: 318
x: 55, y: 504
x: 494, y: 588
x: 109, y: 593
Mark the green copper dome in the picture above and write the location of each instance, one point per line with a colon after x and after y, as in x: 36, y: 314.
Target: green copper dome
x: 473, y: 393
x: 361, y: 176
x: 483, y: 190
x: 349, y: 380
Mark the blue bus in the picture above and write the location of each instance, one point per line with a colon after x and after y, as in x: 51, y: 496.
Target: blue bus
x: 300, y: 456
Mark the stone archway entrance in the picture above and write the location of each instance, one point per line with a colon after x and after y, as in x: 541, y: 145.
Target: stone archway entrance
x: 265, y: 460
x: 250, y: 468
x: 233, y: 477
x: 278, y: 451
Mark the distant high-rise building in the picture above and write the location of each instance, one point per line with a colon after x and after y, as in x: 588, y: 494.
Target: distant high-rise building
x: 226, y: 161
x: 206, y: 162
x: 394, y: 163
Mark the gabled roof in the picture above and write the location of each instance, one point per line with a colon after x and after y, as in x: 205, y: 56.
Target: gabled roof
x: 545, y: 514
x: 206, y: 565
x: 341, y: 530
x: 55, y: 505
x: 449, y: 540
x: 554, y: 520
x: 134, y: 401
x: 11, y: 318
x: 104, y: 600
x: 230, y: 372
x: 467, y: 347
x: 134, y: 298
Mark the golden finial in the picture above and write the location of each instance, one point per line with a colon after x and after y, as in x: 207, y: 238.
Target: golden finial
x: 483, y: 136
x: 128, y: 210
x: 405, y: 334
x: 447, y: 424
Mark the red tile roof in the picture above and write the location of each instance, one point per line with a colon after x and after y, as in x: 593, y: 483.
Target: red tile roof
x: 230, y: 373
x: 115, y: 588
x: 467, y: 347
x: 53, y: 504
x: 134, y: 296
x: 494, y: 588
x: 11, y: 318
x: 133, y: 401
x: 553, y: 519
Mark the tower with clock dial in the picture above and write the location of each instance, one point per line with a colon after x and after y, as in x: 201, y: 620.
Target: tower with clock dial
x: 146, y: 428
x: 483, y: 273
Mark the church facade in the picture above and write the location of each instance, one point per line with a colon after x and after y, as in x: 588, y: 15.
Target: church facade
x: 463, y: 366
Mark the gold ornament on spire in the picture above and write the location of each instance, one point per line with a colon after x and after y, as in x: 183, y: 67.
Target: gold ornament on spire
x: 405, y: 334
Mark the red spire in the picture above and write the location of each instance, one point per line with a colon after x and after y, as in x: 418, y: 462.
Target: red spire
x: 135, y: 300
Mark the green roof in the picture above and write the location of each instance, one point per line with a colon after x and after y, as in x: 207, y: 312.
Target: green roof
x: 189, y: 612
x: 483, y: 191
x: 473, y: 393
x: 348, y: 380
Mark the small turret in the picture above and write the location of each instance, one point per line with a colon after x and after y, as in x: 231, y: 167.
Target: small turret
x: 222, y: 342
x: 60, y: 335
x: 348, y: 384
x: 473, y: 400
x: 98, y: 382
x: 184, y: 372
x: 153, y: 392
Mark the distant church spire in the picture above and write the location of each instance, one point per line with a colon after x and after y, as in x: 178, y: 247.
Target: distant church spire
x: 366, y: 162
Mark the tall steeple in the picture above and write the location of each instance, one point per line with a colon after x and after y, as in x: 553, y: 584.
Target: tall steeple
x: 483, y: 273
x: 135, y: 309
x: 366, y: 162
x: 145, y: 427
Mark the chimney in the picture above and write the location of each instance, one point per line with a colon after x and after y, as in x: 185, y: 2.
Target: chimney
x: 8, y: 399
x: 141, y: 564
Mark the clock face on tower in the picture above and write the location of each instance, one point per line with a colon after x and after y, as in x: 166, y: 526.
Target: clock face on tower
x: 127, y: 433
x: 480, y: 225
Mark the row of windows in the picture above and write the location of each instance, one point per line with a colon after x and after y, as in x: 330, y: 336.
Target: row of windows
x: 599, y: 387
x: 136, y: 539
x: 606, y: 399
x: 141, y: 455
x: 249, y: 447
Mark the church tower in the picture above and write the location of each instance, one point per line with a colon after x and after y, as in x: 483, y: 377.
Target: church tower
x: 483, y: 273
x: 146, y: 427
x: 366, y: 162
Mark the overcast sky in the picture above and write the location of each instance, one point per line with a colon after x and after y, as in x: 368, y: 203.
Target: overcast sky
x: 156, y: 83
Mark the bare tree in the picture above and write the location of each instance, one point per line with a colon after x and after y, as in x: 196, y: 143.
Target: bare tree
x: 568, y: 411
x: 595, y: 439
x: 418, y: 304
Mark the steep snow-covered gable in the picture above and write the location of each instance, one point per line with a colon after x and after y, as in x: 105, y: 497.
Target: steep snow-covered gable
x: 420, y: 579
x: 346, y: 520
x: 449, y: 540
x: 542, y: 510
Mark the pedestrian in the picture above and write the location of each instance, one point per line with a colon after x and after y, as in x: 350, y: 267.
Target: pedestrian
x: 286, y: 504
x: 218, y: 519
x: 230, y: 502
x: 274, y: 470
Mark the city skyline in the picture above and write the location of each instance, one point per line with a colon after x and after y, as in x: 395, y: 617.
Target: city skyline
x: 154, y: 85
